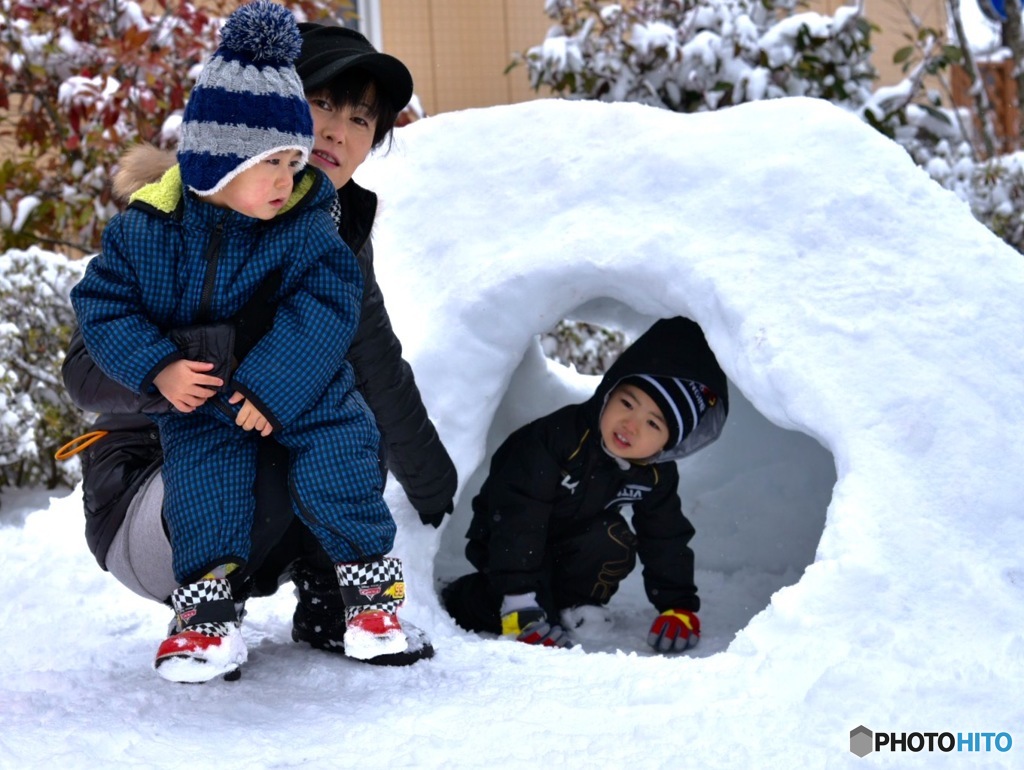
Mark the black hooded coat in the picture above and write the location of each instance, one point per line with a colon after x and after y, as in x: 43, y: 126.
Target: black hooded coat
x: 552, y: 478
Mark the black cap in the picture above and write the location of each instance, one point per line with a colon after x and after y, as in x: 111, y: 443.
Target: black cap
x: 329, y: 51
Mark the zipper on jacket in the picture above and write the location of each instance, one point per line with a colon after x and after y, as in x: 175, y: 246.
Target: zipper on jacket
x: 218, y: 402
x: 212, y: 256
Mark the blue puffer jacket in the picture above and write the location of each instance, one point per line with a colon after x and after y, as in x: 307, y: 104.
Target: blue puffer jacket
x: 171, y: 260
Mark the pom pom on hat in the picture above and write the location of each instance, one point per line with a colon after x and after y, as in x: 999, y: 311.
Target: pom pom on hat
x: 262, y: 32
x: 248, y: 102
x: 681, y: 402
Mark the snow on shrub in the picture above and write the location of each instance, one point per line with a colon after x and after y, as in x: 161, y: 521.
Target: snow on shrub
x: 993, y: 188
x: 36, y: 414
x: 696, y: 55
x: 590, y: 349
x: 79, y: 83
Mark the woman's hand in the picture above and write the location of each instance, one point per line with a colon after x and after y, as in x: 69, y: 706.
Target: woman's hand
x: 185, y: 385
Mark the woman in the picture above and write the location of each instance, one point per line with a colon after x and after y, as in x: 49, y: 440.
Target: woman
x: 355, y: 95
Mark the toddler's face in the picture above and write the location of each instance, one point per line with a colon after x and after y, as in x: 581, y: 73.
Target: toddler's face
x: 261, y: 190
x: 632, y: 426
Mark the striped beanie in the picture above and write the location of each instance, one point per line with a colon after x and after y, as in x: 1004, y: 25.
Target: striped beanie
x: 682, y: 402
x: 248, y: 102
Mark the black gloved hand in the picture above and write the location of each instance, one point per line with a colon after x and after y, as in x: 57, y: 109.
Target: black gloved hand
x: 435, y: 519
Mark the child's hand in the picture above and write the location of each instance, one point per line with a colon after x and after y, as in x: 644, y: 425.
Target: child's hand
x: 249, y: 417
x: 184, y: 384
x: 674, y: 631
x: 530, y: 625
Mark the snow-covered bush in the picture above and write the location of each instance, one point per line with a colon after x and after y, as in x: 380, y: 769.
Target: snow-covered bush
x: 36, y: 415
x: 694, y: 55
x: 79, y: 83
x: 993, y: 188
x: 589, y: 348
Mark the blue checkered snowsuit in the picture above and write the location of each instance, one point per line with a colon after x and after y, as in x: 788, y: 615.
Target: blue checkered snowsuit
x: 171, y: 260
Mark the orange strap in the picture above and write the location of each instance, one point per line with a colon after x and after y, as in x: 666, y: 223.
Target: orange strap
x: 76, y: 445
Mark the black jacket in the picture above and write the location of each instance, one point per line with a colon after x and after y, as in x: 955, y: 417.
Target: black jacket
x: 553, y: 476
x: 116, y: 466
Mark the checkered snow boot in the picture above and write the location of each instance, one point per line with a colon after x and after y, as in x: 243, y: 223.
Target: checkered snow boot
x: 372, y: 592
x: 205, y: 639
x: 320, y: 618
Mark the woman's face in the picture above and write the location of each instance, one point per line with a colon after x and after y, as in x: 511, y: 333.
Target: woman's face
x: 342, y: 137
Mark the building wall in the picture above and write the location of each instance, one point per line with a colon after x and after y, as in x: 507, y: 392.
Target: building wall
x: 892, y: 18
x: 458, y: 50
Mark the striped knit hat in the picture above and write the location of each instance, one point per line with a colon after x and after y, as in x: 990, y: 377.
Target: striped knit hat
x: 682, y: 403
x: 248, y: 102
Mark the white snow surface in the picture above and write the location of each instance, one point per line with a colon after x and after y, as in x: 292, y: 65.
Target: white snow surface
x: 860, y: 536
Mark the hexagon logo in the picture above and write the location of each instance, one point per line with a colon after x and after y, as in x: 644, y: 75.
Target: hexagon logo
x: 861, y: 741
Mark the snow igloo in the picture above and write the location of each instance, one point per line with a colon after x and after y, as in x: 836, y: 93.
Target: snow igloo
x: 802, y: 242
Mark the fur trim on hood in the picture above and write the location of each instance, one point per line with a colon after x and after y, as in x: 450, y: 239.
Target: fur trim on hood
x: 165, y: 194
x: 139, y: 166
x: 152, y: 176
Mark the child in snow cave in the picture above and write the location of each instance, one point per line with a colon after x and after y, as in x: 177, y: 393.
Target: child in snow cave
x: 547, y: 534
x: 191, y: 250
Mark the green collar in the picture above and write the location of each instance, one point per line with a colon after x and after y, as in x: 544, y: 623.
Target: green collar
x: 166, y: 193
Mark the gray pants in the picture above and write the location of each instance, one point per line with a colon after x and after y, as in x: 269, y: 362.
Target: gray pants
x: 140, y: 554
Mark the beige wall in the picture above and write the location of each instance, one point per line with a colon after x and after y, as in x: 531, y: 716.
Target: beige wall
x: 458, y: 49
x: 891, y: 16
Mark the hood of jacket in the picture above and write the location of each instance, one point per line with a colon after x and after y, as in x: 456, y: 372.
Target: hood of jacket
x: 139, y: 166
x: 145, y: 164
x: 166, y: 195
x: 672, y: 347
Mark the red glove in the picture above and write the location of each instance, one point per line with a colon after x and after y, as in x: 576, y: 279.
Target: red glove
x: 530, y: 625
x: 674, y: 631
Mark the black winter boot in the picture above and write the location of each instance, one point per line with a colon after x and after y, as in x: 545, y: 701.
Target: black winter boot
x: 319, y: 618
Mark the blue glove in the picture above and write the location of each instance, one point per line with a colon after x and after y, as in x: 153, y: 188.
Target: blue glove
x: 674, y: 631
x: 530, y: 626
